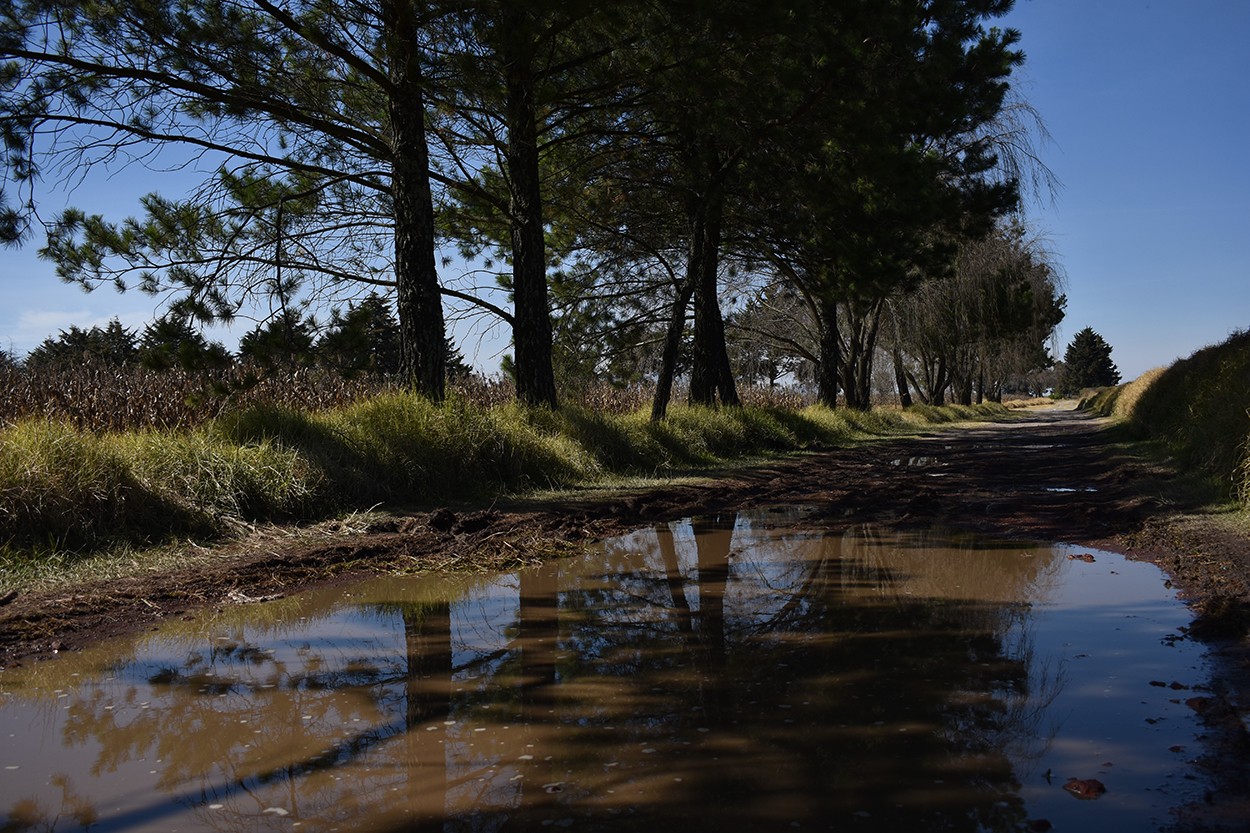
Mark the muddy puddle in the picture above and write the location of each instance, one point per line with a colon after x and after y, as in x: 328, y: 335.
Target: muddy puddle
x: 747, y: 673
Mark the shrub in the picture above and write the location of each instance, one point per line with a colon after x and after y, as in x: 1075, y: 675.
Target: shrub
x: 206, y: 474
x: 1243, y: 476
x: 1198, y: 407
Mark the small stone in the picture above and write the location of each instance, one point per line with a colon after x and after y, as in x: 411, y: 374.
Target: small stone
x: 1201, y: 705
x: 1085, y: 788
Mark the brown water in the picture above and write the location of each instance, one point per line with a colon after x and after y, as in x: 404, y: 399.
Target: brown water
x: 728, y: 674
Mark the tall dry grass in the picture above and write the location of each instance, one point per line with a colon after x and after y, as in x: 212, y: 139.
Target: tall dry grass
x: 68, y: 489
x: 99, y: 397
x: 1199, y: 408
x: 96, y: 396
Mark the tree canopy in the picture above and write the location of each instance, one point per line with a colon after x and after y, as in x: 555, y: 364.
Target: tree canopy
x: 613, y: 164
x: 112, y: 344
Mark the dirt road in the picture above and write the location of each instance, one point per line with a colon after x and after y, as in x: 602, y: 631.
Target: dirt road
x: 1049, y: 475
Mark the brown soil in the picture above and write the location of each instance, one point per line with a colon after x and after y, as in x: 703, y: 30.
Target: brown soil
x: 1050, y: 476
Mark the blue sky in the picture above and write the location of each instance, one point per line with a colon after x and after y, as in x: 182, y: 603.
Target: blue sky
x: 1148, y: 105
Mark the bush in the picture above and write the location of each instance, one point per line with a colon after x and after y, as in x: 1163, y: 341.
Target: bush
x: 210, y: 476
x: 1198, y: 407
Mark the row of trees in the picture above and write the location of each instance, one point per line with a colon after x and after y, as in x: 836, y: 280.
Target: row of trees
x: 633, y: 175
x: 362, y: 339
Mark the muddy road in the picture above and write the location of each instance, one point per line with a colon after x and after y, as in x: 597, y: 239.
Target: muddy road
x: 1049, y: 475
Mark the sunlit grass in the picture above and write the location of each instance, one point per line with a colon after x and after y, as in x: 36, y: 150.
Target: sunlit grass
x: 68, y: 494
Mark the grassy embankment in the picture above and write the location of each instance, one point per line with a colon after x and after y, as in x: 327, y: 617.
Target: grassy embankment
x: 1199, y: 411
x: 67, y: 493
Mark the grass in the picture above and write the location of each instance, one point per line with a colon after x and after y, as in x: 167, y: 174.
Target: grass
x: 1198, y: 409
x: 67, y: 494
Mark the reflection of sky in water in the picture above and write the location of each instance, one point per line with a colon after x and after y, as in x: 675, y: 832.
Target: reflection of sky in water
x: 765, y: 673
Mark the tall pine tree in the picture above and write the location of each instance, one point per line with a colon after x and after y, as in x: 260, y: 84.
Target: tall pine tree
x: 1087, y: 363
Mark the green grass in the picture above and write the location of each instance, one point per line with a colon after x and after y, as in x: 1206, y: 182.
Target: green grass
x: 68, y: 493
x: 1199, y: 409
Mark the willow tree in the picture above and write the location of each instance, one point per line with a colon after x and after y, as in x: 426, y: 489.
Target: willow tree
x: 968, y: 330
x: 306, y: 119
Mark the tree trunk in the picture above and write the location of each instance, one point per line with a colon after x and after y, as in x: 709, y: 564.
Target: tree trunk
x: 418, y: 302
x: 710, y: 373
x: 937, y: 380
x: 864, y: 324
x: 531, y: 328
x: 922, y: 393
x: 900, y: 379
x: 896, y: 356
x: 427, y: 640
x: 672, y: 347
x: 938, y: 397
x: 963, y: 387
x: 537, y: 636
x: 713, y: 542
x: 828, y: 371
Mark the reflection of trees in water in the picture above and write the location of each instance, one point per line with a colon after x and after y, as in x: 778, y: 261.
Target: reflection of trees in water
x: 247, y: 736
x: 784, y: 676
x: 960, y: 581
x: 31, y: 814
x: 909, y: 700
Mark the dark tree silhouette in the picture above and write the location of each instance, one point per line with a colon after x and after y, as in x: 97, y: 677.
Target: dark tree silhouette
x: 173, y: 342
x: 1087, y: 363
x: 112, y: 344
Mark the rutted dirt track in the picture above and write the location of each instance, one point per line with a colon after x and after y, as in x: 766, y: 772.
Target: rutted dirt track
x: 1048, y: 476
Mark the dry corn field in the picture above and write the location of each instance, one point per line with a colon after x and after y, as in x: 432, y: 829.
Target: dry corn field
x: 100, y: 398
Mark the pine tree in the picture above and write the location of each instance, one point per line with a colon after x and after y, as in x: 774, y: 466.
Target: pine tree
x: 315, y: 117
x: 112, y: 344
x: 286, y: 340
x: 365, y: 338
x: 1087, y: 363
x: 171, y: 341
